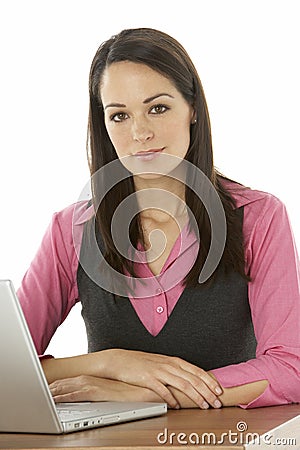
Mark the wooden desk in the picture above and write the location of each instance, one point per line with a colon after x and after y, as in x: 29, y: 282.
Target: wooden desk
x: 279, y: 422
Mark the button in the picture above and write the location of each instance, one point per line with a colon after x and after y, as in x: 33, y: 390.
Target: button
x: 158, y: 291
x: 159, y: 309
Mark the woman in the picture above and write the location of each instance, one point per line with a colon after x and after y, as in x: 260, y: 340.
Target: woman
x: 231, y: 337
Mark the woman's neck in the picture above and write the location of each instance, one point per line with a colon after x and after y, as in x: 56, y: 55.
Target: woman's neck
x: 160, y: 199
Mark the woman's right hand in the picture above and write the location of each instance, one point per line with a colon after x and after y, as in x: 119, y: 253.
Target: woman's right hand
x: 157, y: 372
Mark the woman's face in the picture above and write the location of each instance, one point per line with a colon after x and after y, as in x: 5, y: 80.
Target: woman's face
x: 145, y: 115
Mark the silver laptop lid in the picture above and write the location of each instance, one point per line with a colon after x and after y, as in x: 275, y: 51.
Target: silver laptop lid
x: 26, y: 402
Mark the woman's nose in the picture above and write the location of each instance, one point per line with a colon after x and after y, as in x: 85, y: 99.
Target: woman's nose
x: 141, y: 131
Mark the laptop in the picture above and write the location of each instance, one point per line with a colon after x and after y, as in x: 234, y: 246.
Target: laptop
x: 26, y: 402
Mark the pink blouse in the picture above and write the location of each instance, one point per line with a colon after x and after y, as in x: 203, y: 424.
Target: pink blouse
x: 49, y: 290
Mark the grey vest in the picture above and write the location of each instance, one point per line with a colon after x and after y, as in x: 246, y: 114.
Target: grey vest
x: 210, y: 326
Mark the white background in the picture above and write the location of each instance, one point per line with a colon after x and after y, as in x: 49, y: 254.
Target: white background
x: 247, y: 55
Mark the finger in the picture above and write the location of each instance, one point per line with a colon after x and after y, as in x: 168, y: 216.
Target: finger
x: 151, y: 381
x: 209, y: 380
x: 76, y: 396
x: 166, y: 395
x: 61, y: 388
x: 64, y: 387
x: 186, y: 388
x: 207, y: 394
x: 179, y: 374
x: 69, y: 384
x: 165, y: 375
x: 189, y: 368
x: 197, y: 391
x: 200, y: 385
x: 206, y: 385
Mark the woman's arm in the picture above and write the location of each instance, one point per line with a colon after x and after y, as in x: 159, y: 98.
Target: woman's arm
x: 156, y: 372
x: 274, y: 297
x: 91, y: 368
x: 90, y: 364
x: 230, y: 396
x: 89, y: 388
x: 48, y: 290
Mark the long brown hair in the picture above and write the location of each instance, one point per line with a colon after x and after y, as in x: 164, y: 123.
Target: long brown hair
x: 164, y: 54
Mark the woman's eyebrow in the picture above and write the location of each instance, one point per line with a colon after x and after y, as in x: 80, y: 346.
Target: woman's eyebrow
x: 147, y: 100
x: 115, y: 105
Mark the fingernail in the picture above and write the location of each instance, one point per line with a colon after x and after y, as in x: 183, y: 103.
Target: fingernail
x: 177, y: 407
x: 217, y: 404
x: 205, y: 405
x: 218, y: 390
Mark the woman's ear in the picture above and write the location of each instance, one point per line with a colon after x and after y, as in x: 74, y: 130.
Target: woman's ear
x: 194, y: 119
x: 193, y: 116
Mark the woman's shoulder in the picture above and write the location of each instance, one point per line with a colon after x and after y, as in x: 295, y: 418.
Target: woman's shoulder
x: 254, y: 200
x: 75, y: 214
x: 67, y: 226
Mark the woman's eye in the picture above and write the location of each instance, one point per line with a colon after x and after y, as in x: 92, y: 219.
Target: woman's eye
x: 158, y: 109
x: 118, y: 117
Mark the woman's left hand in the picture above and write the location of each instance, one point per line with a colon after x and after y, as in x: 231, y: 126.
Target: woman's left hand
x: 89, y: 388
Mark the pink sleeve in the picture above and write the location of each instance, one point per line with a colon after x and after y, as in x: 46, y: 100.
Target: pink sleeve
x: 274, y: 299
x: 49, y: 289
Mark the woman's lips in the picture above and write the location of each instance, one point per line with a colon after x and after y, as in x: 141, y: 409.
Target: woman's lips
x: 148, y: 155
